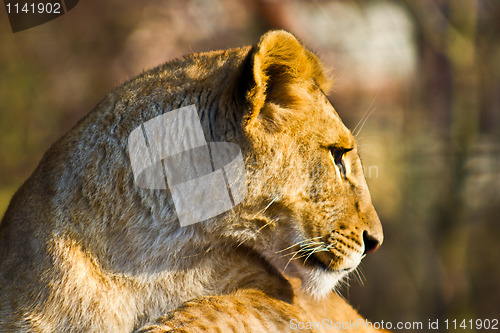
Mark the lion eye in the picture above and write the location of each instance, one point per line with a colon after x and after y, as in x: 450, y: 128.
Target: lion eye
x: 338, y: 158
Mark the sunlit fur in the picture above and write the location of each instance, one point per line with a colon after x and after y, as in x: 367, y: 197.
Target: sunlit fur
x: 82, y: 248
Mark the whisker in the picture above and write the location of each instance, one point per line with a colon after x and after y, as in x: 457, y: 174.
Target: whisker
x: 360, y: 276
x: 362, y: 118
x: 338, y: 287
x: 316, y: 250
x: 366, y: 115
x: 265, y: 225
x: 289, y: 261
x: 271, y: 221
x: 364, y: 122
x: 294, y: 256
x: 301, y: 253
x: 307, y: 249
x: 267, y: 207
x: 298, y: 243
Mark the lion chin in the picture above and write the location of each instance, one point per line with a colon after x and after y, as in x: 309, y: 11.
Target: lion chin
x: 318, y: 282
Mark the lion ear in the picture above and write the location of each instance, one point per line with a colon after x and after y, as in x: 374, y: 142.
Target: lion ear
x: 278, y: 62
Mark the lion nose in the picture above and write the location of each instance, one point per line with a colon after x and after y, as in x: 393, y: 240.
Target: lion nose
x: 371, y: 243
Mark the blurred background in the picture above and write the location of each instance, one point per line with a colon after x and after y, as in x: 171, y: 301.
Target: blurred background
x: 418, y: 82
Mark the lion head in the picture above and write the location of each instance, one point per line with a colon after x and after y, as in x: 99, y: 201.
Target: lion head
x: 308, y: 210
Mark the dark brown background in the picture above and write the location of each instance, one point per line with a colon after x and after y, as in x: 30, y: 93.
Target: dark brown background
x: 422, y: 79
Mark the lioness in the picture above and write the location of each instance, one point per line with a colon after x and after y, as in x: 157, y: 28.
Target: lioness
x: 83, y: 248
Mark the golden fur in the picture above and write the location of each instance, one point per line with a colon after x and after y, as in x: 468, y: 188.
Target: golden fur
x: 82, y: 248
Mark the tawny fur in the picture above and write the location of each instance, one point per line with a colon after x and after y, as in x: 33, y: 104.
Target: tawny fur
x: 83, y: 249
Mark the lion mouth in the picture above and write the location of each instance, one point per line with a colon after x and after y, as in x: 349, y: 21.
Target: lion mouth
x: 312, y: 259
x: 322, y: 261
